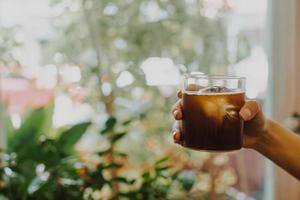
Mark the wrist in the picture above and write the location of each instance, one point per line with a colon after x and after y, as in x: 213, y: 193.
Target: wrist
x: 268, y: 138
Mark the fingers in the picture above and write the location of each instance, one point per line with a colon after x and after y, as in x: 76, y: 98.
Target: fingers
x: 179, y: 94
x: 249, y: 110
x: 177, y: 137
x: 177, y: 113
x: 177, y: 110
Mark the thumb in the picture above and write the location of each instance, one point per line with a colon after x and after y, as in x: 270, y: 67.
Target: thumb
x: 249, y: 110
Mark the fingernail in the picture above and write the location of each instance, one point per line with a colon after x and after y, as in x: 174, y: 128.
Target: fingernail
x: 176, y: 137
x: 178, y: 115
x: 175, y: 113
x: 179, y: 94
x: 245, y: 113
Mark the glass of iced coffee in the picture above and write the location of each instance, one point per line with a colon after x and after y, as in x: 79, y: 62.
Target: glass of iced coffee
x: 211, y: 106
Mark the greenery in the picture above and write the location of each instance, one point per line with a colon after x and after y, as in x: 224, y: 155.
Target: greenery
x: 38, y: 167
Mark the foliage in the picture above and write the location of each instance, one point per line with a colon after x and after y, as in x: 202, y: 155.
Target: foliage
x: 38, y: 167
x: 34, y: 165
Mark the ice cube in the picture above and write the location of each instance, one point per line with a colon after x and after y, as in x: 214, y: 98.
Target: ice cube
x: 232, y: 113
x: 215, y: 109
x: 215, y: 89
x: 193, y: 87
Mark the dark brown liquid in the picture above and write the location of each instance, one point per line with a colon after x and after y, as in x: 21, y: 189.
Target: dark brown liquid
x: 212, y: 122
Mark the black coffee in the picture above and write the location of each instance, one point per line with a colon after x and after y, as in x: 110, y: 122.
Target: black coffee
x: 211, y: 119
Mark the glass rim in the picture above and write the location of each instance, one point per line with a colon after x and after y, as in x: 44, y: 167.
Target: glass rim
x: 213, y: 76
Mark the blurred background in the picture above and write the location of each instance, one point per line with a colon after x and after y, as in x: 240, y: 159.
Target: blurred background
x: 87, y: 87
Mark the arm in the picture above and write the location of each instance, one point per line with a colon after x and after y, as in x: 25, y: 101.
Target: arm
x: 282, y: 146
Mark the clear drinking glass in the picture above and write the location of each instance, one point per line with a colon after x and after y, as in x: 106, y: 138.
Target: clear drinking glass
x: 211, y: 106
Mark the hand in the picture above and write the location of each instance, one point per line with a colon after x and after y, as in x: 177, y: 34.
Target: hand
x: 255, y: 125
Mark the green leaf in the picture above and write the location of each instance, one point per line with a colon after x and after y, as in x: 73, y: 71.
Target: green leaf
x: 146, y: 175
x: 48, y: 119
x: 98, y: 180
x: 109, y: 125
x: 27, y: 133
x: 161, y: 161
x: 34, y: 120
x: 130, y: 194
x: 120, y: 154
x: 117, y: 137
x: 163, y: 168
x: 123, y: 180
x: 109, y: 166
x: 70, y: 137
x: 175, y: 175
x: 187, y: 179
x: 127, y: 122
